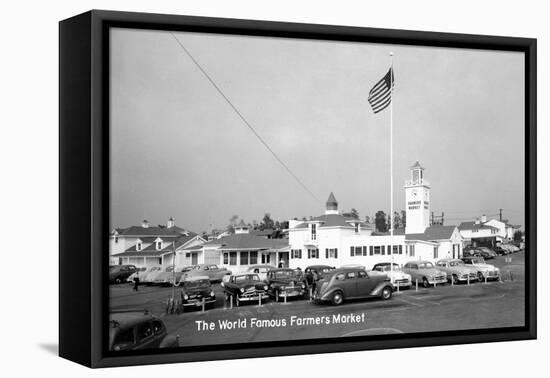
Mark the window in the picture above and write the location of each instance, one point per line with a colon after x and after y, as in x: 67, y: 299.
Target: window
x: 364, y: 250
x: 296, y: 253
x: 159, y: 246
x: 313, y: 253
x: 160, y: 260
x: 144, y: 331
x: 332, y: 253
x: 435, y: 252
x: 362, y: 274
x: 352, y: 251
x: 138, y: 246
x: 377, y: 250
x: 340, y: 277
x: 232, y: 258
x: 400, y: 249
x: 411, y: 250
x: 253, y: 257
x: 313, y: 232
x: 351, y: 275
x: 244, y: 258
x: 371, y: 250
x: 157, y: 327
x: 225, y: 258
x: 356, y: 227
x: 116, y: 239
x: 395, y: 249
x: 384, y: 250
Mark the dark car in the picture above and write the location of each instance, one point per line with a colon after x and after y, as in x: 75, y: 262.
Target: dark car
x: 244, y: 287
x: 119, y: 273
x: 486, y: 253
x: 197, y: 290
x: 351, y: 283
x: 134, y: 329
x: 285, y: 283
x: 314, y: 273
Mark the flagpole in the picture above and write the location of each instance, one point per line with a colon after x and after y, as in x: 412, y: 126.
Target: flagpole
x: 391, y: 162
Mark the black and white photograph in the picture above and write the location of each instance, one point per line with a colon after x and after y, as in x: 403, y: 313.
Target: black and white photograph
x: 267, y: 189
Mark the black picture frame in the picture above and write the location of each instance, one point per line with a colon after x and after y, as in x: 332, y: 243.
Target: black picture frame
x: 84, y: 186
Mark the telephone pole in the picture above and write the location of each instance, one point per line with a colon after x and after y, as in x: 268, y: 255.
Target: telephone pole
x: 500, y: 215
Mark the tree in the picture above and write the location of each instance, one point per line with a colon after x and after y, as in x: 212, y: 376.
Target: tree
x: 380, y: 221
x: 518, y: 235
x: 267, y: 222
x: 396, y: 220
x: 277, y: 225
x: 367, y: 219
x: 352, y: 214
x: 403, y: 218
x: 232, y: 223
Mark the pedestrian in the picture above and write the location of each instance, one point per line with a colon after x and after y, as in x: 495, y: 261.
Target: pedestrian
x: 136, y: 282
x: 282, y: 263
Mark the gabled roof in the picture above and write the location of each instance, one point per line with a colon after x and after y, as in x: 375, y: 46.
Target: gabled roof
x: 475, y: 226
x: 182, y: 240
x: 247, y: 241
x: 433, y: 233
x: 242, y: 224
x: 416, y: 165
x: 332, y: 220
x: 139, y: 231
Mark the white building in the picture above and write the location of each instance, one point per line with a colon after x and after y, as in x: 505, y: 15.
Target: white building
x: 336, y: 240
x: 487, y: 232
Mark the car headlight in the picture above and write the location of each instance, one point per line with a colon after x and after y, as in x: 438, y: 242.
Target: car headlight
x: 242, y: 290
x: 212, y: 293
x: 265, y: 287
x: 186, y: 297
x: 303, y: 286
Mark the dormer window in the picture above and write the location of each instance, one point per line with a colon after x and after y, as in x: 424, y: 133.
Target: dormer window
x: 116, y: 239
x: 138, y: 245
x: 159, y: 245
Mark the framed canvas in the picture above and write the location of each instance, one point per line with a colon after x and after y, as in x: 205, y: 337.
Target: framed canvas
x: 234, y: 188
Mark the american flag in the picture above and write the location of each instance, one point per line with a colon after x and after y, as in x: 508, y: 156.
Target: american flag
x: 380, y: 94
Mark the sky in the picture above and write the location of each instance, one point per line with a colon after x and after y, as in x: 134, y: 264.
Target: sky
x: 179, y: 150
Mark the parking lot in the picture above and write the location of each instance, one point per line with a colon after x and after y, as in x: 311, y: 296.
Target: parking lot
x: 445, y: 307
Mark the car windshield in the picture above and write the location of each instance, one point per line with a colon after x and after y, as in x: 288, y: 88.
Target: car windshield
x: 456, y: 263
x: 478, y: 261
x: 387, y: 268
x: 327, y: 270
x: 426, y: 265
x: 247, y: 277
x: 196, y: 283
x: 284, y: 274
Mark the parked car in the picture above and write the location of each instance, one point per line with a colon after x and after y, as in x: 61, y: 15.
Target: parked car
x: 212, y: 271
x: 133, y: 330
x: 457, y: 271
x: 150, y: 277
x: 195, y: 290
x: 168, y: 278
x: 244, y: 287
x: 486, y: 253
x: 285, y: 283
x: 351, y: 283
x: 314, y: 273
x: 142, y: 270
x: 501, y: 250
x: 260, y: 270
x: 397, y: 276
x: 119, y: 273
x: 356, y: 266
x: 483, y: 269
x: 425, y: 272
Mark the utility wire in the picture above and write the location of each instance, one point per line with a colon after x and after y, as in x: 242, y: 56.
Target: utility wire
x: 245, y: 121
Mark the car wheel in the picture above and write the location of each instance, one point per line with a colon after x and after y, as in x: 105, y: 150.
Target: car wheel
x: 454, y: 279
x: 117, y: 280
x: 337, y: 298
x: 386, y: 293
x: 425, y: 282
x: 480, y: 276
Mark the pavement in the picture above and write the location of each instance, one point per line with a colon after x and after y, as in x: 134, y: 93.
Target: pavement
x: 440, y: 308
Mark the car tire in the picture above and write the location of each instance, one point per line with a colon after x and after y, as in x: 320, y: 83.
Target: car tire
x: 454, y: 279
x: 117, y: 280
x: 480, y: 276
x: 425, y: 282
x: 386, y: 293
x: 337, y: 298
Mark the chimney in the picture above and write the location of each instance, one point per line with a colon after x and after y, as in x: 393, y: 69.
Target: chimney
x: 145, y: 224
x: 477, y: 221
x: 483, y: 218
x: 171, y: 223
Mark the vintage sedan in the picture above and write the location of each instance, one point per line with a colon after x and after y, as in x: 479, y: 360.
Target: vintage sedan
x: 168, y: 278
x: 457, y: 271
x: 135, y: 330
x: 314, y: 273
x: 142, y: 272
x: 425, y: 272
x: 150, y: 277
x: 484, y: 270
x: 260, y: 270
x: 396, y: 275
x: 245, y: 287
x: 119, y: 273
x: 487, y: 253
x: 197, y: 290
x: 212, y: 271
x: 285, y: 283
x: 351, y: 283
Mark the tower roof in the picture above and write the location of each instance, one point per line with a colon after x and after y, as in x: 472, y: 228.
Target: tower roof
x: 242, y: 224
x: 331, y: 199
x: 417, y: 165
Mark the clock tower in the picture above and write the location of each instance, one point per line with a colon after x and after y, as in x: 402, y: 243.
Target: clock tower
x: 417, y: 201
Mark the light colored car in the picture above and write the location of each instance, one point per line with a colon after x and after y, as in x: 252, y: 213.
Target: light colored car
x: 168, y: 278
x: 149, y: 278
x: 425, y: 272
x: 212, y: 271
x: 260, y: 270
x: 397, y: 276
x: 457, y: 271
x: 141, y: 270
x: 483, y: 269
